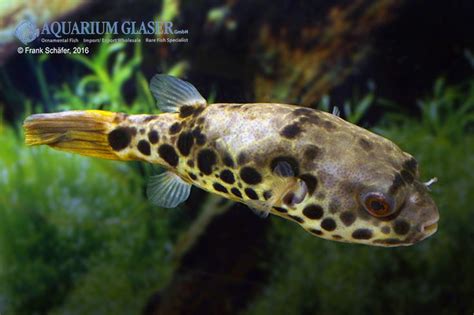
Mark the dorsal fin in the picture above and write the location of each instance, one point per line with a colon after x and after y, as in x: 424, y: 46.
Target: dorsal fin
x: 167, y: 190
x: 171, y: 93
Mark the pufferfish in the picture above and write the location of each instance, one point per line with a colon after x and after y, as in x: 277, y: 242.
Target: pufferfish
x: 336, y: 180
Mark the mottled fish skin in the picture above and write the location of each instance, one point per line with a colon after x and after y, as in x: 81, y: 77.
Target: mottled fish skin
x: 232, y: 149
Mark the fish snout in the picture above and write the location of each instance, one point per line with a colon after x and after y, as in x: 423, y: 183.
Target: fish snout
x: 428, y: 228
x: 428, y: 225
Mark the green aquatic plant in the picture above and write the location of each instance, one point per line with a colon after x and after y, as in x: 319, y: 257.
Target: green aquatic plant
x: 353, y: 110
x: 11, y: 94
x: 110, y: 69
x: 447, y: 114
x: 38, y: 71
x: 450, y: 110
x: 169, y: 10
x: 17, y: 99
x: 75, y: 232
x: 102, y: 88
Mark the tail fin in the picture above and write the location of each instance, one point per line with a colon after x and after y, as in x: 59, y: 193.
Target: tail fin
x: 82, y: 132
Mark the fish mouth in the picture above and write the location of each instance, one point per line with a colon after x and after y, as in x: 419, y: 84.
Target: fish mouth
x: 430, y: 229
x: 424, y: 231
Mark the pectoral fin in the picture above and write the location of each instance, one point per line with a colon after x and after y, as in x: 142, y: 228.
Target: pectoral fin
x: 283, y: 169
x: 167, y: 190
x: 262, y: 209
x: 289, y: 190
x: 295, y: 194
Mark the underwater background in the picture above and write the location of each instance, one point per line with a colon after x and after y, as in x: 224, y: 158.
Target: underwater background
x: 78, y: 236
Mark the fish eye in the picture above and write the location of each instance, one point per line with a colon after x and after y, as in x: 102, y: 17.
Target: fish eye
x: 378, y: 205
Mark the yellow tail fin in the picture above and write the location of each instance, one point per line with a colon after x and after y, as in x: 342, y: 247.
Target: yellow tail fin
x: 82, y: 132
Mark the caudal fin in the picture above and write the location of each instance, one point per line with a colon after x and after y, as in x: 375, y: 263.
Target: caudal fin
x: 81, y: 132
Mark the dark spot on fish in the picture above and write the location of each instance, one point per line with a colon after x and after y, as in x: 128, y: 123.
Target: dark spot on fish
x: 334, y: 205
x: 401, y: 227
x: 389, y: 241
x: 153, y: 136
x: 200, y: 121
x: 347, y: 218
x: 168, y: 154
x: 288, y: 159
x: 234, y: 106
x: 316, y: 232
x: 219, y: 187
x: 407, y: 176
x: 186, y: 110
x: 200, y: 137
x: 303, y: 111
x: 385, y: 229
x: 190, y: 163
x: 336, y: 237
x: 328, y: 224
x: 267, y: 194
x: 280, y: 209
x: 362, y: 234
x: 313, y: 119
x: 193, y: 177
x: 314, y: 212
x: 251, y: 193
x: 242, y: 158
x: 120, y: 137
x: 396, y: 184
x: 296, y: 218
x: 410, y: 165
x: 312, y: 152
x: 310, y: 181
x: 328, y: 125
x: 227, y: 176
x: 119, y: 117
x: 320, y: 195
x: 206, y: 160
x: 175, y: 128
x: 185, y: 143
x: 150, y: 117
x: 144, y: 147
x: 236, y: 192
x: 227, y: 159
x: 198, y: 111
x: 250, y: 175
x: 291, y: 131
x: 365, y: 144
x: 142, y: 131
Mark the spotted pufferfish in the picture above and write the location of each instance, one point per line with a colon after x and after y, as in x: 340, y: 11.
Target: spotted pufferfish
x: 336, y: 180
